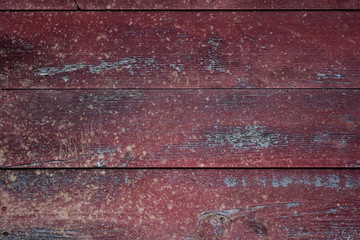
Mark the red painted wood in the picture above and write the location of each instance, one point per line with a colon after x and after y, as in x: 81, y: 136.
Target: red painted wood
x: 180, y: 128
x: 180, y: 204
x: 38, y: 5
x: 218, y: 4
x: 179, y: 49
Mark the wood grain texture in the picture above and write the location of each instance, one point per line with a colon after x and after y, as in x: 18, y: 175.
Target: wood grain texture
x: 180, y: 204
x: 180, y: 128
x: 179, y: 50
x: 218, y: 4
x: 38, y: 5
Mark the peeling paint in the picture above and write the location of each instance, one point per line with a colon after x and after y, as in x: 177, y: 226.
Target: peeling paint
x: 321, y: 138
x: 106, y: 66
x: 243, y: 82
x: 65, y: 78
x: 214, y: 52
x: 127, y: 180
x: 332, y: 182
x: 247, y: 137
x: 230, y: 182
x: 177, y: 67
x: 244, y: 183
x: 336, y: 140
x: 352, y: 183
x: 284, y: 182
x: 49, y: 71
x: 145, y: 65
x: 329, y: 75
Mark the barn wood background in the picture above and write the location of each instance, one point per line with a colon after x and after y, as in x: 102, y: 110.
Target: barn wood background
x: 221, y: 119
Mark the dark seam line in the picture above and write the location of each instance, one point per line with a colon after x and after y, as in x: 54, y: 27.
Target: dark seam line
x: 77, y: 5
x: 177, y: 89
x: 179, y: 10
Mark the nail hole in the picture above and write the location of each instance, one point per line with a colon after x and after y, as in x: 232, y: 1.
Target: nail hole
x: 4, y: 98
x: 5, y: 233
x: 4, y: 208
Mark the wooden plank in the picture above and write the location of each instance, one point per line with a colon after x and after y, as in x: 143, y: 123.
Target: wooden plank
x: 180, y: 50
x: 180, y: 128
x: 38, y: 5
x: 218, y: 4
x: 180, y: 204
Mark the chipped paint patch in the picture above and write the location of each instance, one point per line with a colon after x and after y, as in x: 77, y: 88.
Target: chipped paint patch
x: 214, y: 53
x: 332, y: 182
x: 284, y: 182
x: 339, y: 141
x: 244, y: 183
x: 177, y: 67
x: 243, y: 82
x: 144, y: 65
x: 352, y: 183
x: 127, y: 180
x: 49, y: 71
x: 321, y: 138
x: 247, y: 137
x: 230, y: 182
x: 329, y: 75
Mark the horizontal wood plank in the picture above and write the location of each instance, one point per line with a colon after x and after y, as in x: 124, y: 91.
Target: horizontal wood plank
x: 218, y: 4
x: 180, y: 128
x: 38, y: 5
x: 179, y: 50
x: 180, y: 204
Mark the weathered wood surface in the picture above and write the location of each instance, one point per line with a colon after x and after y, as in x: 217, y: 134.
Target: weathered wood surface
x: 218, y: 4
x: 180, y: 204
x: 38, y: 5
x: 172, y: 4
x: 179, y: 49
x: 180, y: 128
